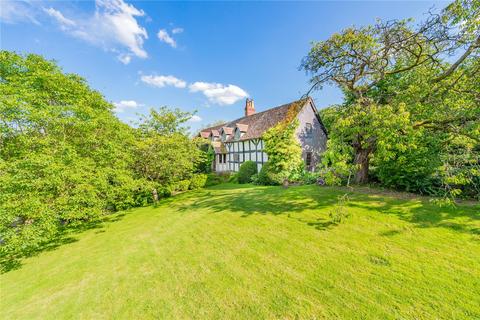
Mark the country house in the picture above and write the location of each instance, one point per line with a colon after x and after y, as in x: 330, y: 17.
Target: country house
x: 241, y: 140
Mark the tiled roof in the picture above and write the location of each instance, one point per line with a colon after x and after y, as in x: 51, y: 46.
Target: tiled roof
x: 227, y: 129
x: 242, y: 127
x: 260, y: 122
x: 218, y: 147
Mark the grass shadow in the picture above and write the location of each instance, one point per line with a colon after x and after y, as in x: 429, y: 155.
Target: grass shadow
x: 249, y: 200
x: 421, y: 213
x: 66, y: 235
x: 322, y: 224
x: 390, y: 233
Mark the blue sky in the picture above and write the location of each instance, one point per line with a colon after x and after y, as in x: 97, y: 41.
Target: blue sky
x: 192, y: 55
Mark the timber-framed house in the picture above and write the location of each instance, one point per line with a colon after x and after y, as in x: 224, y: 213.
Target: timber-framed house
x: 241, y: 140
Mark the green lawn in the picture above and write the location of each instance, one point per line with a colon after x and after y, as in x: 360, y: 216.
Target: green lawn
x: 244, y: 252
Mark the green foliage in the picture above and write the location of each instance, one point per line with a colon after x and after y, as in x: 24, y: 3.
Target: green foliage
x: 414, y: 169
x: 65, y: 159
x: 198, y: 181
x: 340, y: 212
x: 182, y: 185
x: 310, y: 177
x: 443, y: 151
x: 164, y: 121
x: 305, y: 177
x: 283, y: 150
x: 217, y: 178
x: 208, y: 155
x: 336, y: 167
x: 409, y: 118
x: 166, y: 158
x: 378, y: 129
x: 233, y: 178
x: 267, y: 176
x: 246, y: 171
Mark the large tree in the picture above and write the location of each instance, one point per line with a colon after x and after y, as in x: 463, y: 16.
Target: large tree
x: 164, y: 153
x: 66, y: 159
x: 367, y: 63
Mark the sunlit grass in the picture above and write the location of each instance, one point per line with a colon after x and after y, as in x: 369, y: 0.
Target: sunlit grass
x: 244, y: 252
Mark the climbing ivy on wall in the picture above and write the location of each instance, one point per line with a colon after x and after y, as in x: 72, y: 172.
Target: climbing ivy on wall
x: 283, y: 150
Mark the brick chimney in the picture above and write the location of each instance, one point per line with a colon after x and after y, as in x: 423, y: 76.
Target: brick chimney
x: 249, y: 107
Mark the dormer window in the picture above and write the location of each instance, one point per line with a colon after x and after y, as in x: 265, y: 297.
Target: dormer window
x: 205, y: 134
x: 215, y: 135
x: 226, y: 133
x: 240, y: 130
x: 238, y: 134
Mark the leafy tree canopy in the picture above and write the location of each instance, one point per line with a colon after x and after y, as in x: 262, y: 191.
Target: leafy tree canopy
x: 65, y: 159
x: 411, y: 91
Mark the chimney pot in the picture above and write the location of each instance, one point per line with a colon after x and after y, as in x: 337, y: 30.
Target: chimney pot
x: 249, y: 107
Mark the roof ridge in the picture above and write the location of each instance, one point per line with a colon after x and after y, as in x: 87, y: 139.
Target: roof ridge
x: 257, y: 113
x: 235, y: 121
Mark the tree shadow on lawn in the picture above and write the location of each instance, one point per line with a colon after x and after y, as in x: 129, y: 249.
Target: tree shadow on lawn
x: 421, y: 213
x: 248, y: 200
x: 65, y: 236
x: 320, y: 223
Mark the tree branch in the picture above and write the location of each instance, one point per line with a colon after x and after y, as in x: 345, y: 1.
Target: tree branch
x: 454, y: 66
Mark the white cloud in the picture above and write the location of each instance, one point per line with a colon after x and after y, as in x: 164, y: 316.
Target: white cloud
x: 124, y: 58
x: 17, y: 11
x: 126, y: 104
x: 177, y: 30
x: 64, y: 22
x: 165, y: 37
x: 162, y: 81
x: 218, y: 93
x: 195, y: 118
x: 113, y: 26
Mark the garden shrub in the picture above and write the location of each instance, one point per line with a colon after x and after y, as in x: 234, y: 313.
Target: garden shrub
x: 305, y: 177
x: 246, y: 171
x: 267, y: 177
x: 182, y: 185
x: 339, y: 212
x: 198, y: 181
x: 165, y: 191
x: 213, y: 179
x: 127, y: 192
x: 233, y: 178
x: 217, y: 178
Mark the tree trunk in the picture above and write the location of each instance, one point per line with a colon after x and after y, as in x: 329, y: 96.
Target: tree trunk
x: 362, y: 160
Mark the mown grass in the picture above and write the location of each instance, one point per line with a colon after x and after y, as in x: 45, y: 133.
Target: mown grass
x: 245, y: 252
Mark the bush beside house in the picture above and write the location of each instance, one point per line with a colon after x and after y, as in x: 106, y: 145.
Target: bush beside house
x: 246, y: 171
